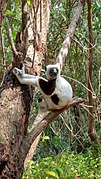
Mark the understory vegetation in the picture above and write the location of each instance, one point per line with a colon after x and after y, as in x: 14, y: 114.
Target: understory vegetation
x: 67, y: 165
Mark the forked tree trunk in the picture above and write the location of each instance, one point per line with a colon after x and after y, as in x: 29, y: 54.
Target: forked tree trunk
x: 16, y: 99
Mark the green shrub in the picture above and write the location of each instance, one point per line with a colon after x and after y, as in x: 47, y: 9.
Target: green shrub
x: 67, y: 165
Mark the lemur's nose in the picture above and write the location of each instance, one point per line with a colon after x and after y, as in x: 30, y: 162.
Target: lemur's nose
x: 53, y: 71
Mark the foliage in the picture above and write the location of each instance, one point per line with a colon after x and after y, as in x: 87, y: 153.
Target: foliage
x: 13, y: 12
x: 67, y: 165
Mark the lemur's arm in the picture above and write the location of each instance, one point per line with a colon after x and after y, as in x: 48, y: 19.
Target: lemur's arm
x: 26, y: 78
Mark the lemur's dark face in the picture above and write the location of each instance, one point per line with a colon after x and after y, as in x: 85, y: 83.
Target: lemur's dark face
x: 52, y: 71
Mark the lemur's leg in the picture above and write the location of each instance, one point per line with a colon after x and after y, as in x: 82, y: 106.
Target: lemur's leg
x: 25, y: 78
x: 43, y: 106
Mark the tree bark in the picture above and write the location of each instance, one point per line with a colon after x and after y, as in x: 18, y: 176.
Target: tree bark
x: 91, y: 120
x: 15, y: 105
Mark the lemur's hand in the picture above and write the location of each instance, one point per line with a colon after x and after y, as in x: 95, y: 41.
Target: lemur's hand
x: 17, y: 71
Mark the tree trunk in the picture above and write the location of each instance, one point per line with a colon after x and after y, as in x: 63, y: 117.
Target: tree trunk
x: 16, y: 99
x: 15, y: 103
x: 91, y: 120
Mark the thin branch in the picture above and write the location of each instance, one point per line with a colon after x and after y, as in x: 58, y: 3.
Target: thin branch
x: 41, y: 12
x: 70, y: 32
x: 70, y: 128
x: 24, y: 16
x: 82, y: 85
x: 35, y: 10
x: 44, y: 122
x: 99, y: 82
x: 3, y: 48
x: 10, y: 36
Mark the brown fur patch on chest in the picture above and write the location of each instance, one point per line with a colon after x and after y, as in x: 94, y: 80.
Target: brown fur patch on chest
x: 47, y: 87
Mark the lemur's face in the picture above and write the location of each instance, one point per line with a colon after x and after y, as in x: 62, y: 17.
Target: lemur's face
x: 52, y: 71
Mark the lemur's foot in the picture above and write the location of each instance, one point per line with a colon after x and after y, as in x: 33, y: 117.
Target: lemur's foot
x: 17, y: 71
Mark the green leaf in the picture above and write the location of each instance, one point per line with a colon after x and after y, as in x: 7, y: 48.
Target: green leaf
x: 14, y: 35
x: 64, y: 17
x: 9, y: 13
x: 59, y: 171
x: 45, y: 138
x: 29, y: 2
x: 51, y: 173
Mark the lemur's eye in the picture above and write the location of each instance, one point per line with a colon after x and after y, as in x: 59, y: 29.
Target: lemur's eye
x: 45, y: 68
